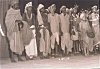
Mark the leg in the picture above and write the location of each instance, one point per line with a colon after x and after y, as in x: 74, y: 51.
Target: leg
x: 12, y: 56
x: 52, y: 44
x: 19, y: 57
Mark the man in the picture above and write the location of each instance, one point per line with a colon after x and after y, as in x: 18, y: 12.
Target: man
x: 95, y: 24
x: 44, y: 31
x: 53, y: 19
x: 14, y: 25
x: 64, y: 23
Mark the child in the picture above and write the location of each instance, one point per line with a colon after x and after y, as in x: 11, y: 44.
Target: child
x: 31, y: 48
x: 74, y: 37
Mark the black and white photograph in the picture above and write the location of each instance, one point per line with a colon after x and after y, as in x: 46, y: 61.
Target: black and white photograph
x: 49, y: 34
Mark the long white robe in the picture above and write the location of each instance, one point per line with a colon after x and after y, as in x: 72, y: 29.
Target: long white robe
x: 15, y: 37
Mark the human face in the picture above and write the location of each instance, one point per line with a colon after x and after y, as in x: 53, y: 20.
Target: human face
x: 42, y: 10
x: 29, y: 9
x: 64, y: 10
x: 16, y: 6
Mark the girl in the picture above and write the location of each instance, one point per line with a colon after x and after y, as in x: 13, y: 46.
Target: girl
x: 74, y: 37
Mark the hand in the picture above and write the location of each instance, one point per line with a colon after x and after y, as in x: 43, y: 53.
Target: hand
x: 18, y: 21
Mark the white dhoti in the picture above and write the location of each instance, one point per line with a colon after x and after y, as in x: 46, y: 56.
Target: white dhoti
x: 66, y: 42
x: 47, y: 41
x: 42, y: 41
x: 54, y: 37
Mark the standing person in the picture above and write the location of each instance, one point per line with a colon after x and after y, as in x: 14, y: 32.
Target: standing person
x: 13, y: 16
x: 95, y: 24
x: 64, y: 23
x: 75, y: 30
x: 74, y: 37
x: 84, y: 27
x: 44, y: 31
x: 16, y: 31
x: 54, y: 27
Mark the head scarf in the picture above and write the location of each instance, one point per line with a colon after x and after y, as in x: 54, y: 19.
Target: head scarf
x: 28, y: 5
x: 39, y: 17
x: 13, y: 2
x: 62, y: 8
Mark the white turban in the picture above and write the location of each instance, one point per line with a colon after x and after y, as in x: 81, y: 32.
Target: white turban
x: 52, y: 7
x: 62, y: 8
x: 67, y: 9
x: 71, y: 9
x: 28, y: 5
x: 94, y: 7
x: 39, y: 17
x: 13, y: 2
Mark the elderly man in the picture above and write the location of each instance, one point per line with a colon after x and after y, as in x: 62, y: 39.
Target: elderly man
x: 12, y: 18
x: 16, y: 30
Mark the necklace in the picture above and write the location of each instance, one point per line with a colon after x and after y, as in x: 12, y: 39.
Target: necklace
x: 28, y: 16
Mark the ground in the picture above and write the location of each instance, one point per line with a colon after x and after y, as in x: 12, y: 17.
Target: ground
x: 91, y: 62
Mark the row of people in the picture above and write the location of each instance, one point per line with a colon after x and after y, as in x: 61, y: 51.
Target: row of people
x: 51, y: 33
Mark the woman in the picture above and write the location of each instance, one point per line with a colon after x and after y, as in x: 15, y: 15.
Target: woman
x: 84, y: 27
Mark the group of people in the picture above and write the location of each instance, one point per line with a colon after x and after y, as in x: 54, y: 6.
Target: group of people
x: 49, y: 34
